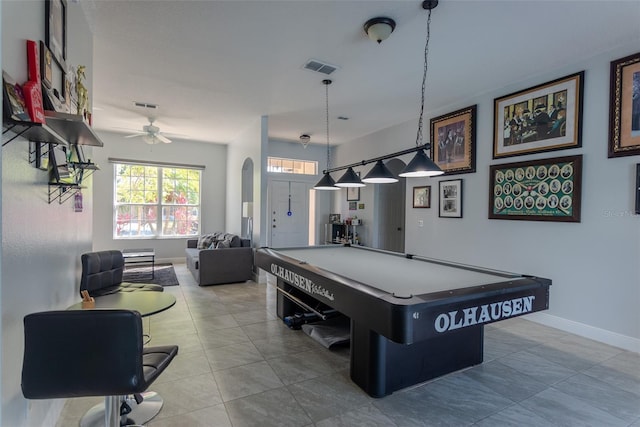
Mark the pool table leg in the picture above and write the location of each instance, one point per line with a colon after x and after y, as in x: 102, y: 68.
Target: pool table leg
x: 380, y: 366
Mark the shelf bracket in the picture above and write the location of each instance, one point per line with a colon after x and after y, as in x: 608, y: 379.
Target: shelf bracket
x: 62, y: 192
x: 16, y: 134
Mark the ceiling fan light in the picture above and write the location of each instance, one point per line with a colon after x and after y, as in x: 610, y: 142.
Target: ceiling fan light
x: 350, y: 179
x: 326, y: 183
x: 421, y: 166
x: 379, y: 29
x: 379, y: 174
x: 149, y: 139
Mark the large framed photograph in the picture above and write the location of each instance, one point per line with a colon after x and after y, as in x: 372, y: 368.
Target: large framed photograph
x: 453, y: 141
x: 543, y: 118
x: 56, y: 28
x: 624, y: 107
x: 422, y: 197
x: 450, y: 198
x: 537, y: 190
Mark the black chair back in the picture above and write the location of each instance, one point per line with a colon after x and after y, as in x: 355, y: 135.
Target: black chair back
x: 75, y: 353
x: 101, y: 270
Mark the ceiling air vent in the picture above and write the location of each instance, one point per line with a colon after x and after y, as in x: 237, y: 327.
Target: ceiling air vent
x: 145, y: 105
x: 320, y: 67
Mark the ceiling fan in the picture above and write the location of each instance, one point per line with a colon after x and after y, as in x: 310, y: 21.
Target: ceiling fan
x: 150, y: 134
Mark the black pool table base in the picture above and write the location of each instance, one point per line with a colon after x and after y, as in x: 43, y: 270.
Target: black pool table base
x: 380, y: 366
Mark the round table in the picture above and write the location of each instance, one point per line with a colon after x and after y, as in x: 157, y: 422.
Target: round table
x: 146, y: 303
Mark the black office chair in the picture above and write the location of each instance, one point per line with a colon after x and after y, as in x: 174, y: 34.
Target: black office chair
x: 77, y: 353
x: 102, y: 275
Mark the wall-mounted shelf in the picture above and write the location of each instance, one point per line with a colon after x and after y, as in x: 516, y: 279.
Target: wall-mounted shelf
x: 38, y: 132
x: 59, y: 129
x: 72, y: 128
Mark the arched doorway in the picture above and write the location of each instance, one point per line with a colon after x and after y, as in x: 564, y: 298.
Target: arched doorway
x: 389, y: 208
x: 247, y: 200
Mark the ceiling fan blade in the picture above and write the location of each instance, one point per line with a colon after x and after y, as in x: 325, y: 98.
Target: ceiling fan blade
x: 163, y: 138
x: 133, y: 135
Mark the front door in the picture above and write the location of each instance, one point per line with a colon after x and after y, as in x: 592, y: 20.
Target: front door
x: 289, y: 214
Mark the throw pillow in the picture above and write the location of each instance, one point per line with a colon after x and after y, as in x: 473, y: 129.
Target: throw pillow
x: 223, y: 244
x: 233, y: 239
x: 205, y: 241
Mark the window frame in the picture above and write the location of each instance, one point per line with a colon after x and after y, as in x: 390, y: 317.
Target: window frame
x: 160, y: 223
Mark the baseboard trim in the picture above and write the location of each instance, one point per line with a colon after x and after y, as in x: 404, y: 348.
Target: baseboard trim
x: 586, y: 331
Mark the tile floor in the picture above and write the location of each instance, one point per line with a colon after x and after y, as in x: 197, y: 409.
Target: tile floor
x: 238, y: 365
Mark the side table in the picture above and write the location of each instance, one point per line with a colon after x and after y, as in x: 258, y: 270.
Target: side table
x: 140, y: 256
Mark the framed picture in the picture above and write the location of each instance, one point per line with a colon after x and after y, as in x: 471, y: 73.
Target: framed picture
x: 353, y: 194
x: 546, y: 117
x: 46, y: 65
x: 422, y: 197
x: 537, y: 190
x: 56, y: 28
x: 334, y: 218
x: 638, y: 189
x: 56, y: 89
x: 453, y: 141
x: 624, y: 107
x: 450, y: 198
x: 353, y: 206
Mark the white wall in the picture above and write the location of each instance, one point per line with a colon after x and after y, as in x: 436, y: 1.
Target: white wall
x: 214, y: 181
x: 249, y: 144
x: 41, y: 242
x: 593, y: 264
x: 384, y: 142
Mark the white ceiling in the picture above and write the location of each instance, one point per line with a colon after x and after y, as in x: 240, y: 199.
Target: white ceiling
x: 215, y: 67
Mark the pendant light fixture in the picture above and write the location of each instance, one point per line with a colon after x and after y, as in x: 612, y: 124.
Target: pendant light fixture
x: 350, y: 179
x: 421, y: 165
x: 326, y: 182
x: 379, y: 174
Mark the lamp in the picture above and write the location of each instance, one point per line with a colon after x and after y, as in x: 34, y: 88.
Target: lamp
x: 326, y: 182
x: 379, y: 28
x: 421, y: 165
x: 350, y: 179
x: 379, y: 174
x: 304, y: 140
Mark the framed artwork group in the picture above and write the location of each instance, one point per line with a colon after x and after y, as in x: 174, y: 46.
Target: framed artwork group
x: 543, y: 118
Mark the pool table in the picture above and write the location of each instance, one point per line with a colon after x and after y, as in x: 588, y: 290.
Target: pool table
x: 412, y: 318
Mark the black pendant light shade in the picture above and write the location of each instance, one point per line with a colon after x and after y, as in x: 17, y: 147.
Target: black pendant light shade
x: 421, y: 166
x: 326, y: 183
x: 379, y: 174
x: 350, y: 179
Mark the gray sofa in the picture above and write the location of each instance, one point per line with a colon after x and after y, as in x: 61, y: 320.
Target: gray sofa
x: 223, y: 259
